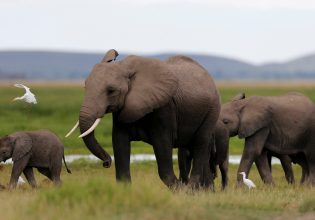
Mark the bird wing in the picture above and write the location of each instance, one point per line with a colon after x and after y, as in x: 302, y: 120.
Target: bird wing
x: 250, y: 183
x: 22, y: 86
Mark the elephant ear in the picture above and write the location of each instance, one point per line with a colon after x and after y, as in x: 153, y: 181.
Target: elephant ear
x: 254, y: 116
x: 110, y: 56
x: 150, y: 88
x: 22, y: 145
x: 238, y: 97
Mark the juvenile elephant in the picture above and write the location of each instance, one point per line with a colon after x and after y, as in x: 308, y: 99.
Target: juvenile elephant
x: 219, y: 156
x: 168, y: 104
x: 40, y: 149
x: 283, y: 125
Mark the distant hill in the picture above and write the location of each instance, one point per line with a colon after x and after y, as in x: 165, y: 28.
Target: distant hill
x: 45, y: 65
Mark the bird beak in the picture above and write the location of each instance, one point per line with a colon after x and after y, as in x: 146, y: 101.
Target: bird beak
x: 13, y: 100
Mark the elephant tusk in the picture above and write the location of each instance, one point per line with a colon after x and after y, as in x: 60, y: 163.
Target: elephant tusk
x: 73, y: 129
x: 97, y: 121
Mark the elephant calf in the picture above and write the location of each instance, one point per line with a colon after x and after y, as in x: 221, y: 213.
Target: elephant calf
x: 40, y: 149
x: 219, y: 155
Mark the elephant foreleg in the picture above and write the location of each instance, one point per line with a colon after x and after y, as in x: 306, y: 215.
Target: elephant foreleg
x: 28, y: 172
x: 121, y: 147
x: 163, y: 154
x: 253, y: 148
x: 18, y: 167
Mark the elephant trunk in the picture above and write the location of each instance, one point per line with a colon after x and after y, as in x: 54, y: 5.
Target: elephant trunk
x: 85, y: 122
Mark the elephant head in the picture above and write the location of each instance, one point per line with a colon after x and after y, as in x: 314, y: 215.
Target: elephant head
x: 131, y: 88
x: 15, y: 146
x: 243, y: 117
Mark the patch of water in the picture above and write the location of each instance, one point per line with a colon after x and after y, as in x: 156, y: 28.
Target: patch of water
x: 233, y: 159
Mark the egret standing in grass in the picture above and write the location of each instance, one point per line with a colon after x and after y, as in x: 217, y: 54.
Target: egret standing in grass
x: 247, y: 182
x: 28, y: 97
x: 21, y: 181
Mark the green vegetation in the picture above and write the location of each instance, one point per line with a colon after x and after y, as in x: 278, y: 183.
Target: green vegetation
x: 58, y: 109
x: 92, y: 193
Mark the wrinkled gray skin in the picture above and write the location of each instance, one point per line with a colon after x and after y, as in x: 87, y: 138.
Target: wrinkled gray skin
x: 283, y: 125
x: 39, y: 149
x: 172, y: 103
x: 219, y: 156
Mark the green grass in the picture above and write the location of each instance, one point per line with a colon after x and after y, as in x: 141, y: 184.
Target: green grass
x: 91, y: 192
x: 58, y: 108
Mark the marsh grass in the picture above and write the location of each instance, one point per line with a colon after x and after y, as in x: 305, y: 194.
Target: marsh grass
x: 91, y: 192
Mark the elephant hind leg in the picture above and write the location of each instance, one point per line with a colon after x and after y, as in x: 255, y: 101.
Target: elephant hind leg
x: 46, y: 172
x: 184, y: 163
x: 224, y: 173
x: 287, y: 168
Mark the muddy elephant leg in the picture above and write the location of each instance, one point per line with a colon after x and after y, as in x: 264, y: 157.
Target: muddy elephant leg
x: 29, y: 174
x: 263, y: 166
x: 224, y: 173
x: 121, y: 147
x: 184, y: 163
x: 287, y: 168
x: 253, y: 148
x: 17, y: 169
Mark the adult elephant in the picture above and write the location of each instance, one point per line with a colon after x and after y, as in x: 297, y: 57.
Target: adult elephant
x: 283, y: 125
x: 172, y: 103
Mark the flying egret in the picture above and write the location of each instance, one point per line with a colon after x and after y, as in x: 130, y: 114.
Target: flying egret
x: 28, y: 97
x: 247, y: 182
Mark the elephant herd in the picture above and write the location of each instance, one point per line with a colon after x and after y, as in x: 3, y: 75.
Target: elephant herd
x: 175, y: 104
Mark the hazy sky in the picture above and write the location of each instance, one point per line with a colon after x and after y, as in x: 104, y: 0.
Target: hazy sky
x: 251, y: 30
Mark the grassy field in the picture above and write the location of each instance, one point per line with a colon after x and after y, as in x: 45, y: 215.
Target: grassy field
x: 59, y: 104
x: 91, y: 192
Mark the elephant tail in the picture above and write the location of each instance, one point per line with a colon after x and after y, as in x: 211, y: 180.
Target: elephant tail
x: 64, y: 160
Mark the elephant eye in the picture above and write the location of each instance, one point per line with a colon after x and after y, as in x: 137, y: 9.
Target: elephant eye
x: 225, y: 121
x: 112, y: 91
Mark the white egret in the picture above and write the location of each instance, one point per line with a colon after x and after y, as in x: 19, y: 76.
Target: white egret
x: 28, y: 97
x: 247, y: 182
x: 21, y: 181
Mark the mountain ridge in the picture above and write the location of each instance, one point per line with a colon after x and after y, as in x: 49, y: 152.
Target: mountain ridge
x: 65, y: 65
